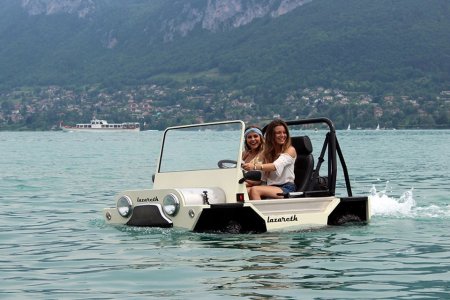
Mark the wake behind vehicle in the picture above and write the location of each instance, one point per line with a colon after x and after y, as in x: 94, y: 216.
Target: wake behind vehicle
x: 199, y: 185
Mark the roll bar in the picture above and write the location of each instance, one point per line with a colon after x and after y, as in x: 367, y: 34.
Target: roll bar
x: 331, y: 143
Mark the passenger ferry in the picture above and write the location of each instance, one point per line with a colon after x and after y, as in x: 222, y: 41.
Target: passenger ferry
x: 102, y: 126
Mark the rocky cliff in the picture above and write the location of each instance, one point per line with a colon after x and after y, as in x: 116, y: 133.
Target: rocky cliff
x: 211, y: 15
x: 217, y: 15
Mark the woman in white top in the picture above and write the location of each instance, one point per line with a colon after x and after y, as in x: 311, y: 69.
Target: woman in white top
x: 278, y: 167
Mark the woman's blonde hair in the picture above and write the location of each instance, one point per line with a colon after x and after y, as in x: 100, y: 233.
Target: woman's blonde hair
x: 258, y: 131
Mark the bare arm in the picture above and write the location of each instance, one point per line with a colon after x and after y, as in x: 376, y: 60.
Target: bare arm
x: 269, y: 167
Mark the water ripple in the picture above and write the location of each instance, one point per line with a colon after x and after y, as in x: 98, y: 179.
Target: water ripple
x: 54, y: 243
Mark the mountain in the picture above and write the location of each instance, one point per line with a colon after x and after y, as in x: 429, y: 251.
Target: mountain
x: 277, y: 45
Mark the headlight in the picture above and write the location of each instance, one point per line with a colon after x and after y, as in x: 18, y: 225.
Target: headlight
x: 171, y: 204
x: 124, y: 206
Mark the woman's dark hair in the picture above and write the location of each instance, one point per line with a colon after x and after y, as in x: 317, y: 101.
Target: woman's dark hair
x: 271, y: 150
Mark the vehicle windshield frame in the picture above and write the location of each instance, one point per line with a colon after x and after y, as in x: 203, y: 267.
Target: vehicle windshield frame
x: 201, y: 146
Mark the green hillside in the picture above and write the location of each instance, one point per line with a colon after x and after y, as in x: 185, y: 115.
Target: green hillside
x: 359, y: 62
x: 375, y: 46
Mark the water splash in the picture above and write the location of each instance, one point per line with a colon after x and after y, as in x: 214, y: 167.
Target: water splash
x: 384, y: 205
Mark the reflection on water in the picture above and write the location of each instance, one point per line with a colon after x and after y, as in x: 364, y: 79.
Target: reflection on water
x: 265, y: 265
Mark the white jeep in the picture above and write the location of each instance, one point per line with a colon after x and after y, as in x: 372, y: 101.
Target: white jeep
x: 199, y: 185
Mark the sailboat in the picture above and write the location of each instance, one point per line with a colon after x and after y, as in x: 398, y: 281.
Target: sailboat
x: 378, y: 127
x: 348, y: 127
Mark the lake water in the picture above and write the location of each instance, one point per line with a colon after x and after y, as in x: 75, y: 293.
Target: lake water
x: 54, y: 243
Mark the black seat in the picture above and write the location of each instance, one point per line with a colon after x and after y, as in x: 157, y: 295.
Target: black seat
x: 304, y: 164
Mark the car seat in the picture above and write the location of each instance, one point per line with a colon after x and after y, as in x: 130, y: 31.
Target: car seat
x: 304, y: 164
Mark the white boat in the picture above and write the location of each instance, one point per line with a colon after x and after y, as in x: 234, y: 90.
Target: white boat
x: 378, y: 127
x: 97, y: 125
x: 348, y: 127
x: 199, y: 185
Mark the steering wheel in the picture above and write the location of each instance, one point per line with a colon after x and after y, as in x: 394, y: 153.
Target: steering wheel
x: 227, y: 164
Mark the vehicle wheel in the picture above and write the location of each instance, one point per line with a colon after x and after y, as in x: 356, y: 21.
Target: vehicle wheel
x: 233, y: 227
x: 348, y: 219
